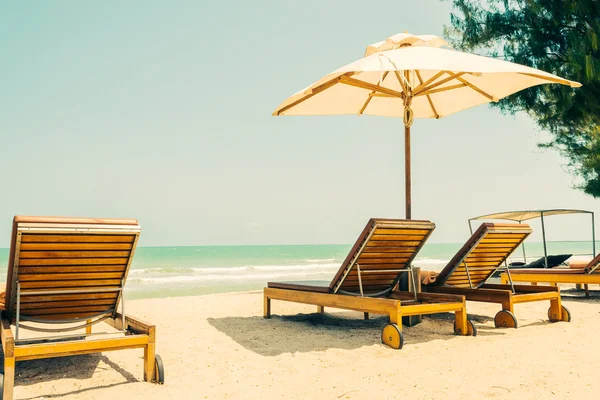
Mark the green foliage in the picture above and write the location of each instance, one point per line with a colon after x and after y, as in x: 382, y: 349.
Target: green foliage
x: 558, y: 36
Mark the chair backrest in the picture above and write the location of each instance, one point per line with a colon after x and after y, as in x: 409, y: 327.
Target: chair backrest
x: 384, y: 250
x: 68, y: 269
x: 483, y: 254
x: 594, y: 266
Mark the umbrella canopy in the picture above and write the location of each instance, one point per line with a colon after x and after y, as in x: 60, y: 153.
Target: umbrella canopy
x: 411, y: 77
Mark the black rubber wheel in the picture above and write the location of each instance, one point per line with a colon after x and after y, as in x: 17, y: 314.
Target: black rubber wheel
x: 472, y: 329
x: 566, y: 315
x: 159, y: 370
x: 505, y: 319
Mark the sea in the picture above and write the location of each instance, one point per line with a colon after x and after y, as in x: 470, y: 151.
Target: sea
x: 196, y: 270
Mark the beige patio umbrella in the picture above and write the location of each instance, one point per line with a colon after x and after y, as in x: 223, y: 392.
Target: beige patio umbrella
x: 411, y: 76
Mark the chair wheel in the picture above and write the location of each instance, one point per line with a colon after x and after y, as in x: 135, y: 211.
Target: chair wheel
x: 471, y: 329
x: 159, y: 370
x: 505, y: 319
x: 566, y: 315
x: 392, y: 336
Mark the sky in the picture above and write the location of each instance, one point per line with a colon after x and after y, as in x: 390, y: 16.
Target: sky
x: 161, y: 111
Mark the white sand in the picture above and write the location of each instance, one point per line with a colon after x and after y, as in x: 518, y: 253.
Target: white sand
x: 220, y: 347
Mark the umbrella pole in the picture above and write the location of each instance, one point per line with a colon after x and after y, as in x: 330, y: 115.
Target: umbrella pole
x: 407, y: 182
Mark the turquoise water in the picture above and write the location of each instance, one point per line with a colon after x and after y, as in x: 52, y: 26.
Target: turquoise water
x: 196, y: 270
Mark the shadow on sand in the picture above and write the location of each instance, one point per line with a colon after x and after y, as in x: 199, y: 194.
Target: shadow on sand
x: 319, y: 332
x: 29, y: 373
x: 579, y: 295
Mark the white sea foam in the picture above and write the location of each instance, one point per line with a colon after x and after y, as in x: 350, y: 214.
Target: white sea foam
x: 225, y: 271
x: 429, y: 261
x: 178, y: 277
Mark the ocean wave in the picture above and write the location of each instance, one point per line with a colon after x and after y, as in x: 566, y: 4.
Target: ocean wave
x: 429, y: 261
x: 233, y: 270
x: 224, y: 279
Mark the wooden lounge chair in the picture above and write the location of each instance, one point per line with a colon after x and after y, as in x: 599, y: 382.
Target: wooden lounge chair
x: 485, y: 251
x: 590, y: 274
x: 368, y: 277
x: 65, y: 275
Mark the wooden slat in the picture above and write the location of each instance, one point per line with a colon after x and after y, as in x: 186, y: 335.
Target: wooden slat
x: 493, y: 245
x: 69, y: 310
x: 75, y: 246
x: 60, y: 317
x: 71, y: 268
x: 386, y: 255
x: 74, y: 261
x: 67, y: 297
x: 483, y: 258
x: 388, y: 243
x: 62, y: 277
x: 365, y: 267
x: 388, y: 231
x: 394, y: 238
x: 494, y: 250
x: 368, y: 250
x: 382, y: 260
x: 399, y: 238
x: 72, y: 254
x: 53, y: 285
x: 62, y: 304
x: 498, y: 241
x: 77, y: 238
x: 482, y: 264
x: 514, y: 236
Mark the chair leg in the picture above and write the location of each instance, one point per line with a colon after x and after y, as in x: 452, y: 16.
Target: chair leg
x: 149, y: 362
x: 9, y: 377
x: 587, y: 290
x: 267, y: 307
x: 366, y: 315
x: 555, y: 308
x: 88, y: 329
x: 321, y: 309
x: 461, y: 321
x: 508, y: 306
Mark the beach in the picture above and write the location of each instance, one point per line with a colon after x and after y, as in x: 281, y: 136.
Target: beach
x: 219, y: 346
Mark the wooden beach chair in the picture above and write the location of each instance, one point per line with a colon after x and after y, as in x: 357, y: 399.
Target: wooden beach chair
x: 368, y: 277
x: 590, y: 274
x: 485, y: 251
x: 64, y: 276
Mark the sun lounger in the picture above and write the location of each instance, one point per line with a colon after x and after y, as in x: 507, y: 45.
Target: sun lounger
x: 554, y: 260
x: 578, y: 276
x: 485, y: 251
x: 64, y: 276
x: 368, y: 277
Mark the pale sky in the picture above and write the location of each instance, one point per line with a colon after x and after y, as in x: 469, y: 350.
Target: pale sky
x: 161, y: 111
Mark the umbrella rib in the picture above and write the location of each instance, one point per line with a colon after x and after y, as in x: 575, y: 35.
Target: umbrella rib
x: 478, y: 90
x: 364, y: 107
x: 551, y: 79
x: 369, y: 86
x: 428, y: 81
x: 313, y: 91
x: 437, y: 116
x: 428, y: 88
x: 444, y: 89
